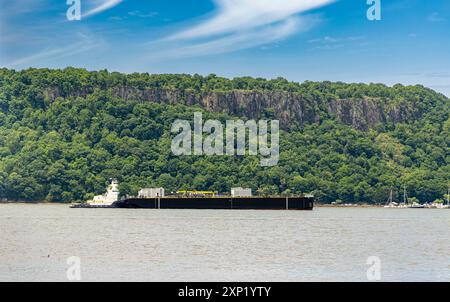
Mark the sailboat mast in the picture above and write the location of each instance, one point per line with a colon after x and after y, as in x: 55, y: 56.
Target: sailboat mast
x: 448, y: 195
x: 405, y: 198
x: 390, y: 199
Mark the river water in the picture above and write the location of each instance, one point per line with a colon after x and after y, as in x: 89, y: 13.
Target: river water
x: 327, y: 244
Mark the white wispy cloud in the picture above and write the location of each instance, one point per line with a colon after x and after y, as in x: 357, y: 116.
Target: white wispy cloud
x: 138, y: 13
x: 233, y: 42
x: 239, y: 24
x: 324, y: 40
x: 332, y: 43
x: 240, y: 15
x: 101, y: 6
x: 82, y: 44
x: 13, y: 8
x: 48, y: 39
x: 435, y: 17
x: 330, y: 40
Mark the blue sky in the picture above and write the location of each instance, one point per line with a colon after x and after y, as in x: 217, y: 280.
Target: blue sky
x: 296, y: 39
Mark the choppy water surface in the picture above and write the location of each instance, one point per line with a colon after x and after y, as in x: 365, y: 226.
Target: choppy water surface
x: 327, y: 244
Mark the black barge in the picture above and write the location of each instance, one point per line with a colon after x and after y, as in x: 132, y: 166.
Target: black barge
x: 218, y: 203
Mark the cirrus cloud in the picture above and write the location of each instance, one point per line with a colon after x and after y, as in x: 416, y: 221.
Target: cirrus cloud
x: 240, y: 15
x: 240, y: 24
x: 100, y: 6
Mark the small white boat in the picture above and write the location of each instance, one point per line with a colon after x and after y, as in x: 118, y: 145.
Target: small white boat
x: 446, y: 206
x: 416, y: 205
x: 441, y: 206
x: 390, y: 203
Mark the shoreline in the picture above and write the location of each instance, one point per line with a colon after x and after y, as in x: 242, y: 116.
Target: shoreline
x: 33, y: 202
x: 347, y: 206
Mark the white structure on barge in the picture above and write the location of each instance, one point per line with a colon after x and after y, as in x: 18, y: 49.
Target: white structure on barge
x: 107, y: 199
x: 151, y: 193
x: 241, y: 192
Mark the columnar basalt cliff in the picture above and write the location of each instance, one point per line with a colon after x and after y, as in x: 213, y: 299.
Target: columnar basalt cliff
x: 290, y: 108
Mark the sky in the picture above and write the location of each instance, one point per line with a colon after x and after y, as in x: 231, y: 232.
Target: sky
x: 299, y: 40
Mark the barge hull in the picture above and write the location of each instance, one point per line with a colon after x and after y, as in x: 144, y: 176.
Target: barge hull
x: 227, y: 203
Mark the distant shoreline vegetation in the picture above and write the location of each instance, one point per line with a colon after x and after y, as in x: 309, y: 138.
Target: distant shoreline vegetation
x: 64, y: 133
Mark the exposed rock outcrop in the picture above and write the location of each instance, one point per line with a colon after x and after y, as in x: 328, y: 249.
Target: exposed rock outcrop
x: 290, y: 109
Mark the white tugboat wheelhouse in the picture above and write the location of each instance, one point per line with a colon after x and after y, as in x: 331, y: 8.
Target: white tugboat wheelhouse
x: 107, y: 199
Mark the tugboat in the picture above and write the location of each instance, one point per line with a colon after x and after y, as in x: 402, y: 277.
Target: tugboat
x: 106, y: 200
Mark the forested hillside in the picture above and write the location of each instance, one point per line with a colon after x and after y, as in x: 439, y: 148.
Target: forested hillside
x: 64, y: 133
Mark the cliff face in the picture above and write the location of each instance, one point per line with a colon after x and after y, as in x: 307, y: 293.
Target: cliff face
x: 290, y: 109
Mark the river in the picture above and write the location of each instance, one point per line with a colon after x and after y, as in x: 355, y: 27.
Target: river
x: 327, y: 244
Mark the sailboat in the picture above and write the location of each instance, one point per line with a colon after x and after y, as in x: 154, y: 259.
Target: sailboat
x: 390, y: 203
x: 447, y: 206
x: 404, y: 204
x: 414, y: 205
x: 443, y: 205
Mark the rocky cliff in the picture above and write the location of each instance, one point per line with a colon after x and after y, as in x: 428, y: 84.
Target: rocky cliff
x: 291, y: 109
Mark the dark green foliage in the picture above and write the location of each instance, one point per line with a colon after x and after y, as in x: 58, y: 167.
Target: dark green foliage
x: 66, y: 149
